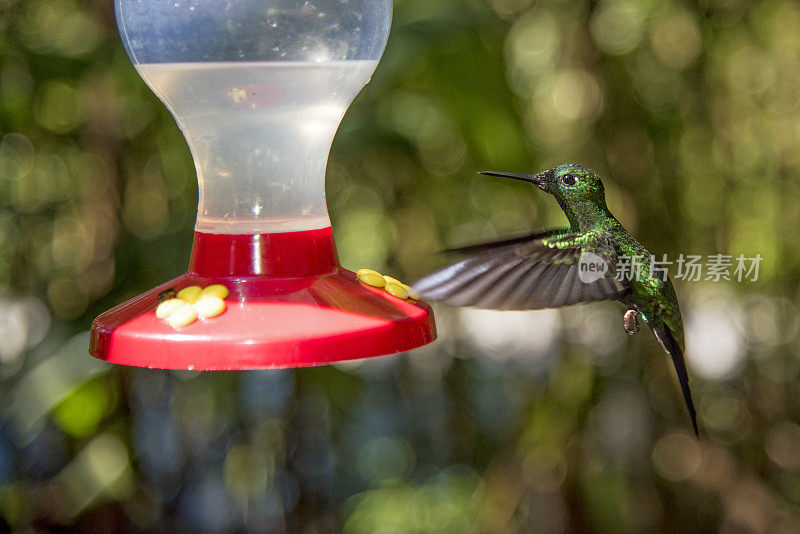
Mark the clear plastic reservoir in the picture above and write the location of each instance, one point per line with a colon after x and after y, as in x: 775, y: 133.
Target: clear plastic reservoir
x: 260, y: 135
x: 258, y: 88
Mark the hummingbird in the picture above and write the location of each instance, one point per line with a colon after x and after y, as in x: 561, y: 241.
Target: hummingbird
x: 583, y: 262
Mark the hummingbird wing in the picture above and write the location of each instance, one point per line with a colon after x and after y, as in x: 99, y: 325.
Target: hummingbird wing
x: 490, y: 245
x: 532, y: 272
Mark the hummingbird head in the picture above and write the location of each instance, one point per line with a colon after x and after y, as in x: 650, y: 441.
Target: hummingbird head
x: 570, y: 183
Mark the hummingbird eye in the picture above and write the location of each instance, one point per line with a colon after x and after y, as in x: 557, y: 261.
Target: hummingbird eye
x: 569, y: 179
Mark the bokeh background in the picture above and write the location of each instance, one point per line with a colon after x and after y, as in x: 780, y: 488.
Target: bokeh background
x: 548, y: 422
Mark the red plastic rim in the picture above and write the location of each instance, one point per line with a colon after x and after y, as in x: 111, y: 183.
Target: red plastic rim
x: 290, y: 305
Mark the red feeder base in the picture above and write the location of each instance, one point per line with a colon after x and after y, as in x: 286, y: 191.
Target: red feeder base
x: 290, y: 305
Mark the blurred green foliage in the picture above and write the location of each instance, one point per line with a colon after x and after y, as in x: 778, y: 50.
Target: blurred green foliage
x: 545, y: 422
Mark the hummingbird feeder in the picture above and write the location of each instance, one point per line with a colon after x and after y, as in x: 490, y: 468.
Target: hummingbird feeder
x: 258, y: 88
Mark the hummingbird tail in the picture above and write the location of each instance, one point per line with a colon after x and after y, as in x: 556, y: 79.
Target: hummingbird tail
x: 665, y: 337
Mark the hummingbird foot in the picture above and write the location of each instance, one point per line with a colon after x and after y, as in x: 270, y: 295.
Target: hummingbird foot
x: 631, y: 322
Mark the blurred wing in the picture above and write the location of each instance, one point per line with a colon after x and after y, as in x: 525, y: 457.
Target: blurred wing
x: 541, y: 271
x: 491, y: 245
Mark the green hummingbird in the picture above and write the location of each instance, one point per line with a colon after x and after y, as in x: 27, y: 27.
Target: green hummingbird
x: 580, y: 263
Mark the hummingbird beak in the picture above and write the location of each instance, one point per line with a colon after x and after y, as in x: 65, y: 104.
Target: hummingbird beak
x: 539, y: 180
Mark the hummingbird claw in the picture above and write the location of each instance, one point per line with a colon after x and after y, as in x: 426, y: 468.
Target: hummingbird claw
x: 631, y: 322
